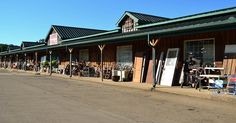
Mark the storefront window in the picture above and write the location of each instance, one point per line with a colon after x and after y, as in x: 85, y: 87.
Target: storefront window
x: 124, y: 55
x: 203, y: 50
x: 84, y: 55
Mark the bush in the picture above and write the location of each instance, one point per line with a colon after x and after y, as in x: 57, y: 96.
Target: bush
x: 45, y: 64
x: 54, y: 63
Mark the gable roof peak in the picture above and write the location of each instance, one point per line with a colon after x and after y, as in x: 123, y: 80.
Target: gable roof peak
x: 142, y: 18
x: 68, y: 32
x: 132, y: 12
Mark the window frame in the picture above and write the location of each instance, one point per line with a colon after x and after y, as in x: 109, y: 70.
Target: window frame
x: 200, y: 39
x: 122, y: 63
x: 82, y: 51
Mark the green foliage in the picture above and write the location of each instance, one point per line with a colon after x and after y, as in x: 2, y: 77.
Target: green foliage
x: 54, y: 63
x: 45, y: 64
x: 41, y: 40
x: 3, y: 47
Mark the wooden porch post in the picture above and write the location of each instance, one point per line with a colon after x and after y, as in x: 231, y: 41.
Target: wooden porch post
x: 70, y: 51
x: 36, y: 61
x: 153, y: 43
x: 25, y: 62
x: 0, y: 61
x: 10, y: 62
x: 17, y: 61
x: 5, y: 61
x: 50, y: 64
x: 101, y: 47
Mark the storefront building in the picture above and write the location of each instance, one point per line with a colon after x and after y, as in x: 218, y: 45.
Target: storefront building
x: 140, y: 44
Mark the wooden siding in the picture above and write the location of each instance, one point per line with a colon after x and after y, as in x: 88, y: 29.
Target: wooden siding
x: 109, y: 53
x: 221, y: 39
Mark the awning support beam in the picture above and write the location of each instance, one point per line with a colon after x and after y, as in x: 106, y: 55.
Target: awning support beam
x: 70, y: 51
x: 50, y: 64
x: 153, y: 44
x: 101, y: 47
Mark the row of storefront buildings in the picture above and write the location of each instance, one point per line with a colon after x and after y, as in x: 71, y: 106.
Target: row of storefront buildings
x: 139, y: 45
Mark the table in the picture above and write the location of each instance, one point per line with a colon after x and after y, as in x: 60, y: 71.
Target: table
x: 215, y: 77
x: 210, y: 76
x: 213, y: 69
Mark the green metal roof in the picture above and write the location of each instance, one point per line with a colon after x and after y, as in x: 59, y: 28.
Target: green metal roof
x: 191, y: 17
x: 67, y: 32
x: 13, y: 47
x: 26, y: 44
x: 35, y: 46
x: 94, y: 35
x: 142, y: 18
x: 145, y: 18
x: 213, y: 22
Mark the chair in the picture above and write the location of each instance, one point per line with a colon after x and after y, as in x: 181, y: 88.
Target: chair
x: 231, y: 86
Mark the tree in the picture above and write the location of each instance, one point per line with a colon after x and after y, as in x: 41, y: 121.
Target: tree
x: 41, y: 41
x: 3, y: 47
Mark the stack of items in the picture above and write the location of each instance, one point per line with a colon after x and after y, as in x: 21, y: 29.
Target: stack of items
x: 231, y: 86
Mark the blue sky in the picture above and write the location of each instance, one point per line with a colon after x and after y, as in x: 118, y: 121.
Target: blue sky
x: 30, y: 20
